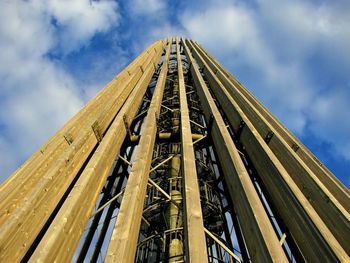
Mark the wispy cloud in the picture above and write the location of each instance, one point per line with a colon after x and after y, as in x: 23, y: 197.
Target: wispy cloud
x: 240, y: 43
x: 37, y: 95
x: 293, y: 55
x: 272, y: 45
x: 77, y: 21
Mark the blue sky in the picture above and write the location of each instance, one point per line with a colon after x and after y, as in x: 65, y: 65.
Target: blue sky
x: 294, y: 56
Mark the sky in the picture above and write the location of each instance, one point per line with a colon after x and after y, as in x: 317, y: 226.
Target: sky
x: 294, y: 56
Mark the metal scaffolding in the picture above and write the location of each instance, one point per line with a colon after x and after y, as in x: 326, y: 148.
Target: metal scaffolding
x: 174, y: 161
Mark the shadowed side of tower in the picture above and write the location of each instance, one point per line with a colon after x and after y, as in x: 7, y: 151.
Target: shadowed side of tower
x: 174, y: 161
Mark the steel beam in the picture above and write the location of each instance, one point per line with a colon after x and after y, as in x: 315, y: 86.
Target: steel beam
x: 217, y: 240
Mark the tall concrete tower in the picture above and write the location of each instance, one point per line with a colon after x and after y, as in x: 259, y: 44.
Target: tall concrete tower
x: 174, y: 161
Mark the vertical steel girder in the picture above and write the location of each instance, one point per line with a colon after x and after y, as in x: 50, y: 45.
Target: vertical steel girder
x: 46, y: 204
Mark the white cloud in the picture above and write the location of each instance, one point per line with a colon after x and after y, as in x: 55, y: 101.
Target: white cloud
x: 330, y: 119
x: 305, y: 27
x: 222, y: 28
x: 233, y: 34
x: 80, y: 19
x: 37, y: 95
x: 274, y: 41
x: 165, y: 30
x: 147, y: 7
x: 269, y: 45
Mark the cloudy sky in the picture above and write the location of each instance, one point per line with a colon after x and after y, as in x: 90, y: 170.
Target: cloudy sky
x: 293, y: 55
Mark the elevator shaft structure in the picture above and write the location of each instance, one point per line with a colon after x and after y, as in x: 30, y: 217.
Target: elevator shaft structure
x: 174, y: 161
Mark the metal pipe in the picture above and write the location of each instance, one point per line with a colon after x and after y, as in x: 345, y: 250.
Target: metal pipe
x: 175, y: 252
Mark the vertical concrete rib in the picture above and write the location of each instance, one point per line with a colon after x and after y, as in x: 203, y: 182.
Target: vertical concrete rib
x: 261, y: 239
x: 126, y: 231
x: 332, y: 212
x: 196, y: 248
x: 33, y: 213
x: 324, y: 175
x: 303, y: 221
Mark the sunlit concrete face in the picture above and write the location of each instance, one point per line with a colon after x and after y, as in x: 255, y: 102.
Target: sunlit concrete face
x: 174, y: 161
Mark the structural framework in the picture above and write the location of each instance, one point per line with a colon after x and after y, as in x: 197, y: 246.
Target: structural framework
x: 174, y: 161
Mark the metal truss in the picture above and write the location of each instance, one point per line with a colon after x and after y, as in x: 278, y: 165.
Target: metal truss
x: 174, y: 161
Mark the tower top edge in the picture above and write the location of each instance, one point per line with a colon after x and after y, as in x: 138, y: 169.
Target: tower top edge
x: 176, y: 37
